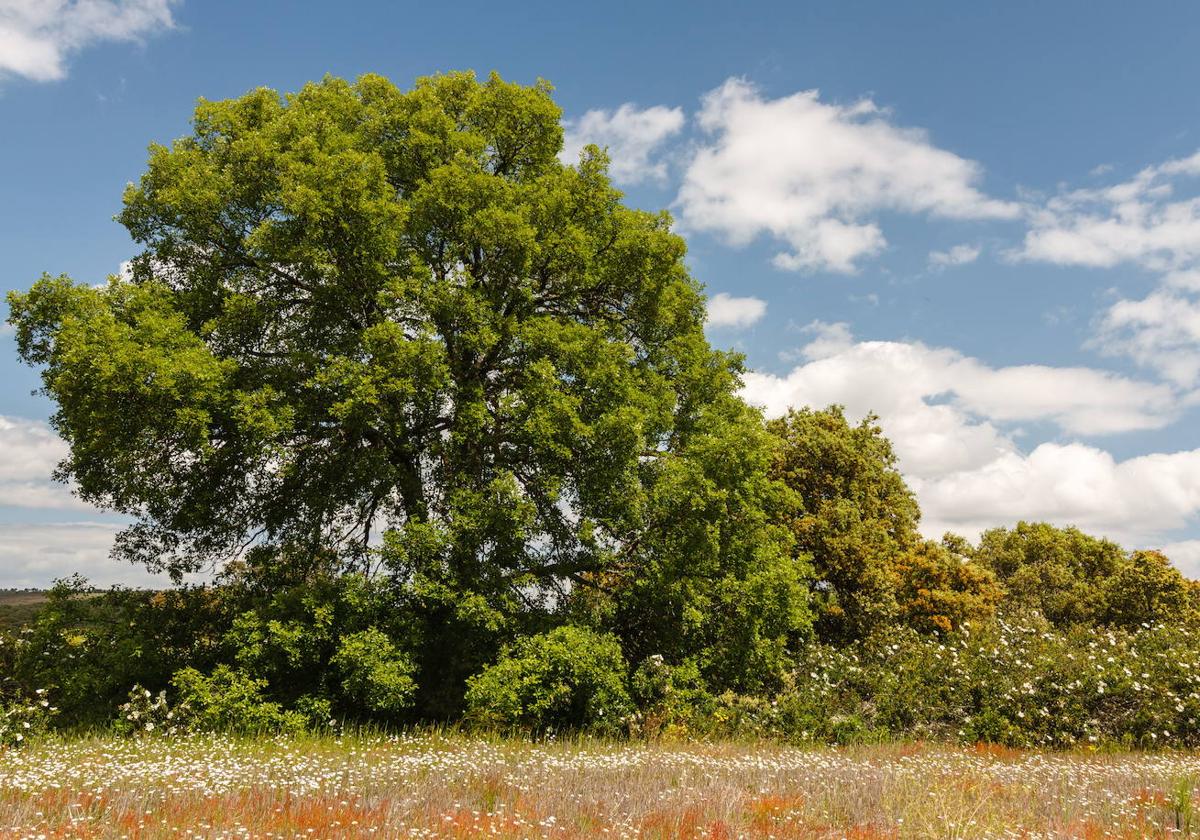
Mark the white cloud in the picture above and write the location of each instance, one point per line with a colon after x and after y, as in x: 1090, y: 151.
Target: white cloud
x: 953, y: 422
x: 813, y: 175
x: 1135, y: 501
x: 958, y: 255
x: 1185, y: 555
x: 632, y: 136
x: 899, y: 377
x: 1144, y: 222
x: 35, y: 554
x: 727, y: 311
x: 828, y: 340
x: 1160, y: 331
x: 29, y: 452
x: 1138, y: 221
x: 37, y: 36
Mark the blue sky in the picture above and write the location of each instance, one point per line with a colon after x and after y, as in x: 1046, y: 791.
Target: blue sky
x: 980, y: 221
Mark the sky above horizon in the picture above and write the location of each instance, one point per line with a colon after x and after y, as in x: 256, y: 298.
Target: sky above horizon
x: 981, y: 222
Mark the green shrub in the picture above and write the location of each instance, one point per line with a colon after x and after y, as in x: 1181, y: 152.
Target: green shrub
x: 672, y: 700
x: 375, y: 675
x: 229, y: 700
x: 89, y: 647
x: 1017, y: 681
x: 568, y: 679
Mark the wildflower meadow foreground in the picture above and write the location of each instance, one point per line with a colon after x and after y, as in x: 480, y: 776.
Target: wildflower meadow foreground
x: 451, y: 786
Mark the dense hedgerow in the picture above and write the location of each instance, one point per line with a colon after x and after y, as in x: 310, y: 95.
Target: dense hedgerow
x: 1016, y: 681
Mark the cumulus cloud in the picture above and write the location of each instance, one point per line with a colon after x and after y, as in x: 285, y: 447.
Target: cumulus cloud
x: 1145, y: 222
x: 632, y: 136
x: 29, y: 452
x: 724, y: 310
x: 37, y: 36
x: 1134, y: 501
x: 900, y: 377
x: 1140, y: 221
x: 958, y: 255
x: 1160, y: 331
x: 813, y: 175
x: 954, y: 422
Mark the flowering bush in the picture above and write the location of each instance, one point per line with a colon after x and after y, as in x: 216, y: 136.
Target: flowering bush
x: 24, y: 719
x: 146, y: 712
x: 1015, y: 680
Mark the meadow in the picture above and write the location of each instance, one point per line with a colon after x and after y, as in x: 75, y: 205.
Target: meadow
x: 447, y: 785
x: 19, y: 606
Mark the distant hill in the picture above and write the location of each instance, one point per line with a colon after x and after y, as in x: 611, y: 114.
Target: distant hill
x: 18, y: 606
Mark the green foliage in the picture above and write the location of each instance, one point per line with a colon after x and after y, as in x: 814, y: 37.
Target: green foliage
x: 715, y: 581
x: 672, y: 702
x: 937, y: 589
x: 856, y: 515
x: 1058, y: 571
x: 1076, y: 579
x: 375, y: 675
x: 1015, y: 681
x: 568, y: 679
x: 323, y: 639
x: 359, y: 304
x: 90, y: 647
x: 229, y: 700
x: 317, y: 647
x: 1147, y: 589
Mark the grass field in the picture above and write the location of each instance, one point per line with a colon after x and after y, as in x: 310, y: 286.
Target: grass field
x: 449, y: 786
x: 19, y: 606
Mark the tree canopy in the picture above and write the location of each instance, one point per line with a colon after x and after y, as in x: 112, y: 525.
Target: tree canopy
x: 1073, y: 578
x: 856, y: 514
x: 359, y: 307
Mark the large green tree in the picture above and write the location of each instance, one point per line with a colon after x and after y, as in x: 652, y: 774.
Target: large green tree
x: 361, y: 306
x: 363, y: 311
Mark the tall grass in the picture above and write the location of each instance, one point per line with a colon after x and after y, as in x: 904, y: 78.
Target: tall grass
x: 443, y: 784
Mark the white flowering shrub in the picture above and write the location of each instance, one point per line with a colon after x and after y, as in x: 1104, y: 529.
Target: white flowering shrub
x: 1013, y: 681
x: 145, y: 713
x: 22, y: 720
